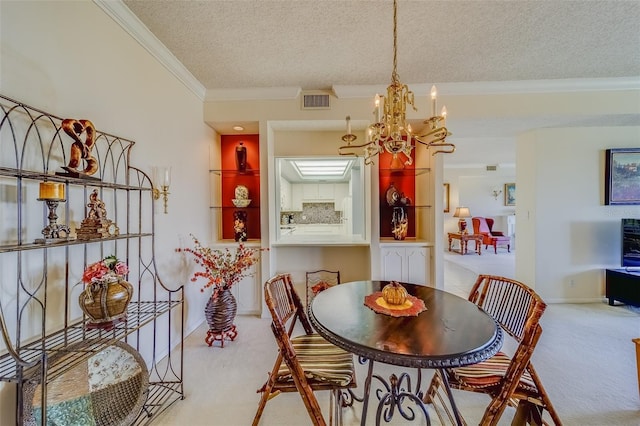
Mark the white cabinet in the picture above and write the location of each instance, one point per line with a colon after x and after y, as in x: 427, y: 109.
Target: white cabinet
x: 296, y: 197
x: 248, y: 291
x: 325, y: 191
x: 340, y: 192
x: 317, y: 191
x: 405, y: 263
x: 285, y: 195
x: 247, y: 294
x: 309, y: 191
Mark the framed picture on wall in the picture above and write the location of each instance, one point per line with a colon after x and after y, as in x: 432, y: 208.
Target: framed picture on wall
x: 509, y: 194
x: 622, y: 176
x: 446, y: 197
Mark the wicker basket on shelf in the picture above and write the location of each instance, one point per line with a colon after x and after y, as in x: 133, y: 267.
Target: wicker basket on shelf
x: 108, y: 388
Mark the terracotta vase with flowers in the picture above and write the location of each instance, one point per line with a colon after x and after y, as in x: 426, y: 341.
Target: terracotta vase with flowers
x: 222, y: 269
x: 106, y: 294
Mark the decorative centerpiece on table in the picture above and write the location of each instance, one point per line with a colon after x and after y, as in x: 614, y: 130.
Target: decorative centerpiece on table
x: 394, y: 300
x: 222, y: 269
x: 106, y: 294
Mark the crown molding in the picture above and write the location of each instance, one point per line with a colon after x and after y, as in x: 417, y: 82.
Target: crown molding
x: 447, y: 89
x: 123, y: 16
x: 477, y: 166
x: 501, y: 87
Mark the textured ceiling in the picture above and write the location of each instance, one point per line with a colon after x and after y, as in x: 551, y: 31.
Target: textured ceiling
x: 316, y: 44
x: 321, y: 44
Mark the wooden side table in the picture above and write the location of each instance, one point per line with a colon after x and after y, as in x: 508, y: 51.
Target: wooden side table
x: 464, y: 240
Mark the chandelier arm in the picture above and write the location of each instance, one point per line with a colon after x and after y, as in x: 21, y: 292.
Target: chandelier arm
x: 451, y: 149
x: 349, y: 146
x: 350, y: 154
x: 433, y: 136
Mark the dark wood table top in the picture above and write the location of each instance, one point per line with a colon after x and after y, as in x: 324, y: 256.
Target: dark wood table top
x: 452, y: 332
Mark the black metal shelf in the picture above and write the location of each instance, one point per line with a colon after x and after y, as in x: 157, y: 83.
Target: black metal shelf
x: 64, y: 243
x: 139, y: 314
x: 39, y: 176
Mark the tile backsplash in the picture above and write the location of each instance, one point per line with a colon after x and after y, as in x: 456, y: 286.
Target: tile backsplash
x: 313, y: 213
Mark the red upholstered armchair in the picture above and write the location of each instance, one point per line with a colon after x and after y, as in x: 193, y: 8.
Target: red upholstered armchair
x: 483, y: 226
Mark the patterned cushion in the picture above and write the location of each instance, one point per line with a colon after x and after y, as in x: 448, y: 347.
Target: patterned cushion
x: 321, y: 286
x: 320, y: 360
x: 490, y: 373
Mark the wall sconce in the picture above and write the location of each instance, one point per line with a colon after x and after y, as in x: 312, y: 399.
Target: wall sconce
x: 462, y: 213
x: 496, y: 192
x: 161, y: 178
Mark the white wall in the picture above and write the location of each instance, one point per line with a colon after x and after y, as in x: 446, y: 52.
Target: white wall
x: 566, y: 235
x: 72, y: 60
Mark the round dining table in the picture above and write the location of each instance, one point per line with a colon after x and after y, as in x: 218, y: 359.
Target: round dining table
x: 450, y: 332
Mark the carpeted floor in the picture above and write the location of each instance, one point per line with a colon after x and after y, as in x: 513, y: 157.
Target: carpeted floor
x: 585, y: 358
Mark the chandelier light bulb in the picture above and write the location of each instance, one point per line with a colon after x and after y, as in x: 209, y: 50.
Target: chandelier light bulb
x: 434, y: 96
x: 443, y: 113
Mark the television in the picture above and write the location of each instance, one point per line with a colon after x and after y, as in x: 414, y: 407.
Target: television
x: 631, y: 243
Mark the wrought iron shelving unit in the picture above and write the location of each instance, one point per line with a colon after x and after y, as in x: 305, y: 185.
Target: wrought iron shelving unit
x: 39, y: 313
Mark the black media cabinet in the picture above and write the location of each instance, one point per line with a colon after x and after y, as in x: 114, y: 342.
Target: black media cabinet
x: 623, y: 285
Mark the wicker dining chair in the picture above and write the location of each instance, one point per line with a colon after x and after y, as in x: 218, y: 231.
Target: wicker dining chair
x: 508, y: 380
x: 305, y: 363
x: 319, y: 280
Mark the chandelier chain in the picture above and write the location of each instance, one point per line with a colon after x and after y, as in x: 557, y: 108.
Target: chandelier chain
x: 394, y: 74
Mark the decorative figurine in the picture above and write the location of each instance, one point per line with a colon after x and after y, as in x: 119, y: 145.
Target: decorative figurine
x: 80, y: 150
x: 96, y: 224
x: 399, y: 223
x: 240, y: 225
x: 241, y: 157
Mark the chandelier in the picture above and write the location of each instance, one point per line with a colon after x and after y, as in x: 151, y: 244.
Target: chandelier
x: 391, y: 132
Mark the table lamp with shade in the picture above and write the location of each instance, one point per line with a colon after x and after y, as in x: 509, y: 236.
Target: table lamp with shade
x: 462, y: 213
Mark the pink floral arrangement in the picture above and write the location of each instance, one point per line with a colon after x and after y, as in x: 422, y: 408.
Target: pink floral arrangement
x: 222, y: 268
x: 109, y: 269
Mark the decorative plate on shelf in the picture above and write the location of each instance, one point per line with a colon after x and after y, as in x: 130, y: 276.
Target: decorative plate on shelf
x: 241, y: 203
x: 108, y: 388
x: 241, y: 192
x: 393, y: 196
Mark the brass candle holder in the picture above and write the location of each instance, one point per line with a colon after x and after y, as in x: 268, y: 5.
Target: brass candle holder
x: 52, y: 194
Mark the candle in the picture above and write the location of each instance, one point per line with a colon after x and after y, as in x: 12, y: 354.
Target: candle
x: 167, y: 176
x: 51, y: 191
x: 378, y: 114
x: 444, y: 115
x: 434, y: 95
x: 348, y: 125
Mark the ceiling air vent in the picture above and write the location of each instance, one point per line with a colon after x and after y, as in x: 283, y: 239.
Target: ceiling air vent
x: 315, y: 100
x: 492, y: 168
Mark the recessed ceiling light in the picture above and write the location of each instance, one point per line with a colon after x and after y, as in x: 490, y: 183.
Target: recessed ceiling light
x: 238, y: 128
x: 326, y: 168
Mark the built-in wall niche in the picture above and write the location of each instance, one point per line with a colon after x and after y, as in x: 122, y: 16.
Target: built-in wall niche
x: 239, y: 170
x: 403, y: 194
x: 321, y: 200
